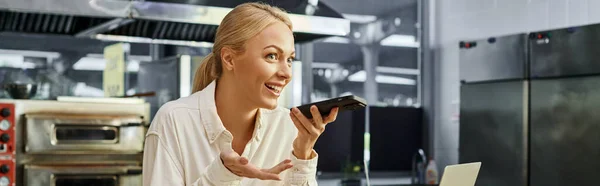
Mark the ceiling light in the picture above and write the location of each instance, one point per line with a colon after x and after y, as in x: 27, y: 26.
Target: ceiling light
x: 98, y: 64
x: 379, y: 69
x: 361, y: 76
x: 31, y: 53
x: 130, y: 39
x: 129, y: 56
x: 395, y: 70
x: 325, y: 65
x: 336, y: 39
x: 15, y: 61
x: 355, y: 18
x: 397, y: 40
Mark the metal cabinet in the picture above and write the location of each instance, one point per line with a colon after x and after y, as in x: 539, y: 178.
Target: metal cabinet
x: 500, y: 58
x: 565, y: 52
x: 565, y: 128
x: 493, y: 130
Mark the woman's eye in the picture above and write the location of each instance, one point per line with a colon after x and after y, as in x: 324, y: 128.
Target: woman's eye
x: 291, y: 59
x: 272, y: 56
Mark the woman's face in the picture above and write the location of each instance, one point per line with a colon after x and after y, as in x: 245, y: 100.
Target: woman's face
x: 264, y: 69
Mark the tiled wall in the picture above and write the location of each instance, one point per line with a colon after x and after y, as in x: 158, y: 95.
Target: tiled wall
x: 455, y: 20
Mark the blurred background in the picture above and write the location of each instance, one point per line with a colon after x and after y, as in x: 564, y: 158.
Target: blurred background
x: 510, y: 83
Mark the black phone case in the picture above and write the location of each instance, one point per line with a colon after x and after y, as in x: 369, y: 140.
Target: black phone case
x: 344, y: 103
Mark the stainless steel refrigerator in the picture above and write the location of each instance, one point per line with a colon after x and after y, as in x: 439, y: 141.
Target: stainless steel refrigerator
x: 493, y: 109
x: 531, y: 116
x: 564, y: 107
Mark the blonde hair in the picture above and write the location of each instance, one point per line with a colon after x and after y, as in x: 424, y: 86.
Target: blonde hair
x: 242, y: 23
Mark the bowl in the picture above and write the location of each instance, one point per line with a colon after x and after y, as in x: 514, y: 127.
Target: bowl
x: 20, y: 91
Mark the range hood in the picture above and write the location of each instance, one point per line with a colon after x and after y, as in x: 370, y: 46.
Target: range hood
x: 177, y: 22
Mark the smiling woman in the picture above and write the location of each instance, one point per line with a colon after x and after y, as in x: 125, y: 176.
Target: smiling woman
x: 230, y: 131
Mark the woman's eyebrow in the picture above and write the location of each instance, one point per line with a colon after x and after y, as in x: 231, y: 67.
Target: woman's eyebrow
x: 276, y: 47
x: 279, y: 49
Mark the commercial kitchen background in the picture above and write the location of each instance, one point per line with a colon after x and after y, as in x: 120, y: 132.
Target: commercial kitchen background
x: 403, y: 56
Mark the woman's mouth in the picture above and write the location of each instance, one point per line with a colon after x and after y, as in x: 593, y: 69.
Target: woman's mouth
x: 275, y: 89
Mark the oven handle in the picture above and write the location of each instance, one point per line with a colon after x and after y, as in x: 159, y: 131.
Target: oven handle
x: 132, y: 124
x: 82, y: 170
x: 119, y: 121
x: 134, y: 171
x: 58, y: 127
x: 129, y: 171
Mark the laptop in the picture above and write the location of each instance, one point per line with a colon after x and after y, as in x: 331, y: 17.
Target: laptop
x: 461, y: 174
x: 454, y: 175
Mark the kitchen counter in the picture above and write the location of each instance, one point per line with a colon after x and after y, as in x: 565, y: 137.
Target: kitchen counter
x: 375, y: 182
x: 399, y: 181
x: 376, y: 179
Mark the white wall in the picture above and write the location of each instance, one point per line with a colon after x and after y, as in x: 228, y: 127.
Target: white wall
x: 456, y: 20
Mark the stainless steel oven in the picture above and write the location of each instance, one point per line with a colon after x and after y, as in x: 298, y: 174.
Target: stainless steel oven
x: 111, y: 175
x: 76, y: 142
x: 60, y: 133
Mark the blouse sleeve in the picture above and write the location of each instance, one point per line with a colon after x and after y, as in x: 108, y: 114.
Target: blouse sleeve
x: 303, y: 173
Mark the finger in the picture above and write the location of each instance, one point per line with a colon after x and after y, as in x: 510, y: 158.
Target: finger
x: 298, y: 124
x: 277, y: 169
x: 332, y: 115
x: 317, y: 118
x: 305, y: 122
x: 243, y: 160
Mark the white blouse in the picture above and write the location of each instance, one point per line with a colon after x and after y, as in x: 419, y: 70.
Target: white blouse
x: 185, y: 139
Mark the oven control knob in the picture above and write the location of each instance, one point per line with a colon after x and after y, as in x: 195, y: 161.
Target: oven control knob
x: 4, y: 169
x: 5, y: 138
x: 4, y: 124
x: 4, y: 181
x: 5, y: 112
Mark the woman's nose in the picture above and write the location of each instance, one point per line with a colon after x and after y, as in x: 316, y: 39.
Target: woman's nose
x: 285, y: 71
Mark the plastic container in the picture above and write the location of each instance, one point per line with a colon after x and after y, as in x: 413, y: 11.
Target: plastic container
x: 431, y: 175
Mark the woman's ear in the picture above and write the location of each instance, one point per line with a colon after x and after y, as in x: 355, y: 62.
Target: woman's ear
x: 227, y: 56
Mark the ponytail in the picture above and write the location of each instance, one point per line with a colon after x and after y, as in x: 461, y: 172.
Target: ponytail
x: 206, y: 73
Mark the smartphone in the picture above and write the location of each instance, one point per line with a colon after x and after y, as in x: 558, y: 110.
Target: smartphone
x: 344, y: 103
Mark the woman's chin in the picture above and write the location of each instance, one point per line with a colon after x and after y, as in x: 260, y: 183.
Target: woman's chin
x: 269, y: 104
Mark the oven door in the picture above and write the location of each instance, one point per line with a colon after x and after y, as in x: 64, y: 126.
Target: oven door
x: 54, y: 175
x: 83, y: 134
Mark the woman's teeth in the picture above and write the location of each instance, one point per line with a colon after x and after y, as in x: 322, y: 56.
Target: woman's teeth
x: 274, y: 88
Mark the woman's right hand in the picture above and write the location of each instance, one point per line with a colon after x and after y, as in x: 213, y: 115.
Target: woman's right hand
x: 240, y: 166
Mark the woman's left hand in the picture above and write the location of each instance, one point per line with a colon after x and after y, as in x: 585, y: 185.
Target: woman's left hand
x: 309, y: 130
